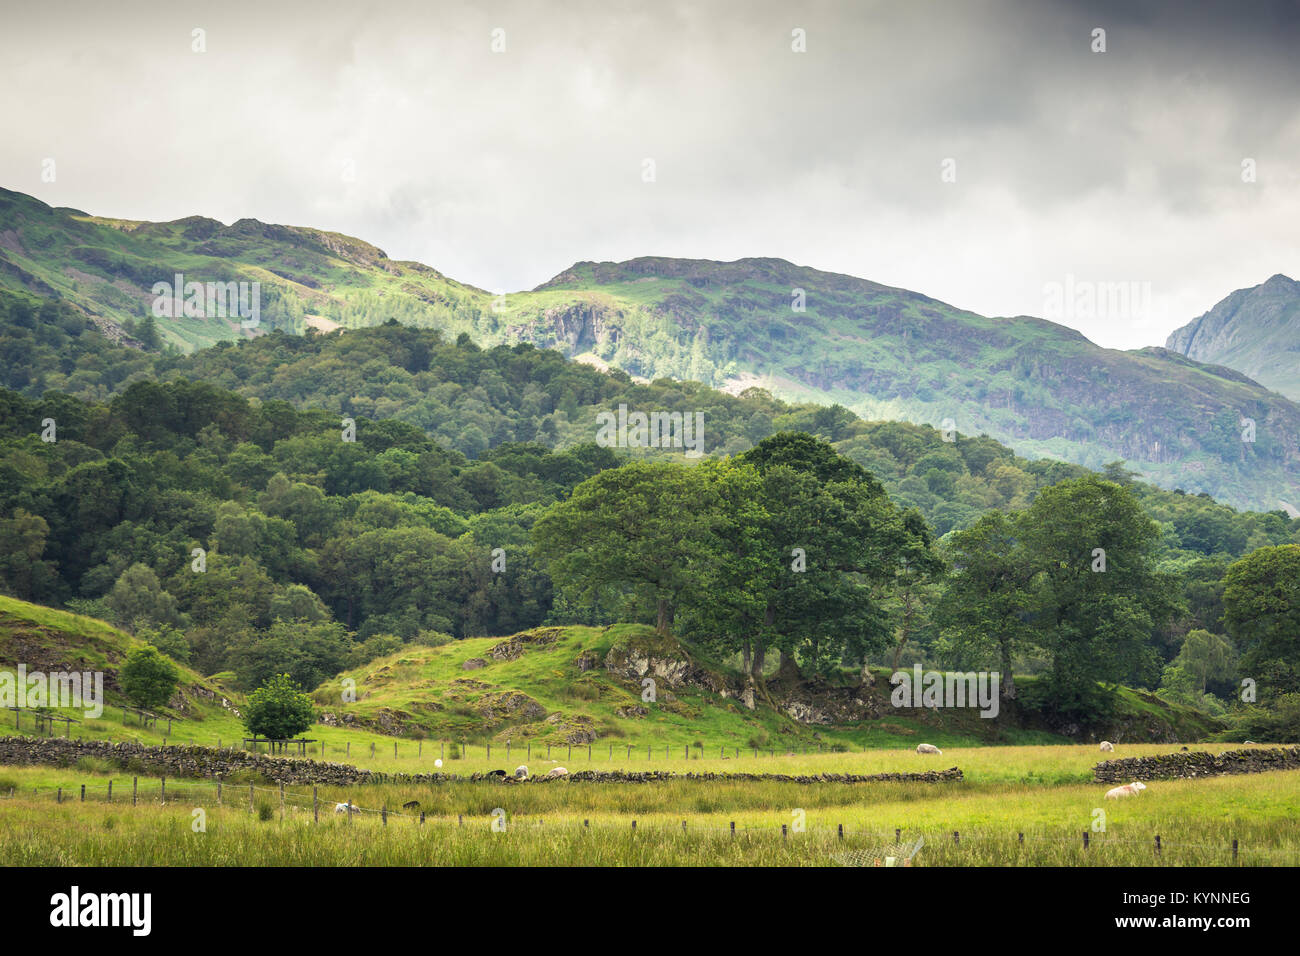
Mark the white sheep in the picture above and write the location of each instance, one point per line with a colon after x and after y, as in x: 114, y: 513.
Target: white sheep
x: 1128, y: 790
x: 557, y: 772
x: 521, y: 772
x: 345, y: 808
x: 1107, y: 747
x: 928, y: 749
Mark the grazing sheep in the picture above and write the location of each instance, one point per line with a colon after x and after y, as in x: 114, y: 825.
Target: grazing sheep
x: 927, y: 749
x: 556, y: 772
x: 1107, y: 747
x: 496, y: 773
x: 345, y: 808
x: 521, y: 772
x: 1128, y: 790
x: 1248, y: 741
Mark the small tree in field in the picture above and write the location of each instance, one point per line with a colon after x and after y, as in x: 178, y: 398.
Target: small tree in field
x: 278, y: 709
x: 148, y: 678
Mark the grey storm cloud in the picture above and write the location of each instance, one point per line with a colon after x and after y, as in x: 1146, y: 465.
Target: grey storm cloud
x: 399, y: 124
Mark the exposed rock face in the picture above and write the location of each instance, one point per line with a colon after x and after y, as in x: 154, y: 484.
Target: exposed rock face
x: 587, y: 660
x: 510, y: 705
x: 825, y: 706
x: 512, y: 648
x: 631, y: 711
x: 1191, y: 764
x: 574, y: 729
x: 473, y: 664
x: 668, y: 668
x: 1254, y: 331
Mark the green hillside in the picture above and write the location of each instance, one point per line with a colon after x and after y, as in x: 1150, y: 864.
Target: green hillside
x: 107, y: 268
x: 882, y: 352
x: 561, y: 687
x: 48, y: 640
x: 580, y: 686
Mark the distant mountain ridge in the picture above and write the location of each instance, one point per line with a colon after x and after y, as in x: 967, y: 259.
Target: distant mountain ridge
x: 805, y: 335
x: 1255, y: 330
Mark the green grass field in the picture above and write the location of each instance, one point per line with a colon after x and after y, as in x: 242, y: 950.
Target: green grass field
x: 574, y: 823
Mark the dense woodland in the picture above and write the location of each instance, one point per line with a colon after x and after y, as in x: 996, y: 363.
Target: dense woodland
x: 214, y: 503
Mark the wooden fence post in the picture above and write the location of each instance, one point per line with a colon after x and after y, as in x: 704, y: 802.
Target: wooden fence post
x: 1157, y: 843
x: 58, y: 798
x: 1085, y: 839
x: 956, y: 837
x: 135, y: 787
x: 785, y: 834
x: 110, y: 791
x: 83, y: 793
x: 250, y: 798
x: 315, y: 805
x: 1234, y: 849
x: 840, y: 828
x: 733, y: 829
x: 383, y: 814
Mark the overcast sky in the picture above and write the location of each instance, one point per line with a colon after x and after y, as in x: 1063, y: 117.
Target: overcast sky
x: 400, y: 124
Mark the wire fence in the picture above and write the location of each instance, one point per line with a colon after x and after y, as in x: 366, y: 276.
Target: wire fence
x: 245, y: 796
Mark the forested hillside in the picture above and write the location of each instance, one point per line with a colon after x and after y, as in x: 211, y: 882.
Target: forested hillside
x: 316, y: 553
x: 803, y: 334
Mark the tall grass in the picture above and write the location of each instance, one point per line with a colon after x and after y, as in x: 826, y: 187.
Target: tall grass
x: 570, y: 823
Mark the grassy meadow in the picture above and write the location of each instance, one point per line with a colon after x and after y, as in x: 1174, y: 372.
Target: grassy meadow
x: 1041, y: 792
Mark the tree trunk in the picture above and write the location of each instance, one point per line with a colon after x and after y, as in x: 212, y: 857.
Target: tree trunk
x: 665, y: 616
x: 788, y: 663
x: 1008, y: 679
x: 746, y: 656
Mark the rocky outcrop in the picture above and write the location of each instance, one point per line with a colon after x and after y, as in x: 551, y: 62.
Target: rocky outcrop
x: 510, y: 705
x: 1192, y: 764
x: 572, y: 728
x: 512, y: 648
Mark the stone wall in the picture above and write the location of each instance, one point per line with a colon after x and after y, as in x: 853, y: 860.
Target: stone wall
x: 1190, y: 764
x: 206, y: 762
